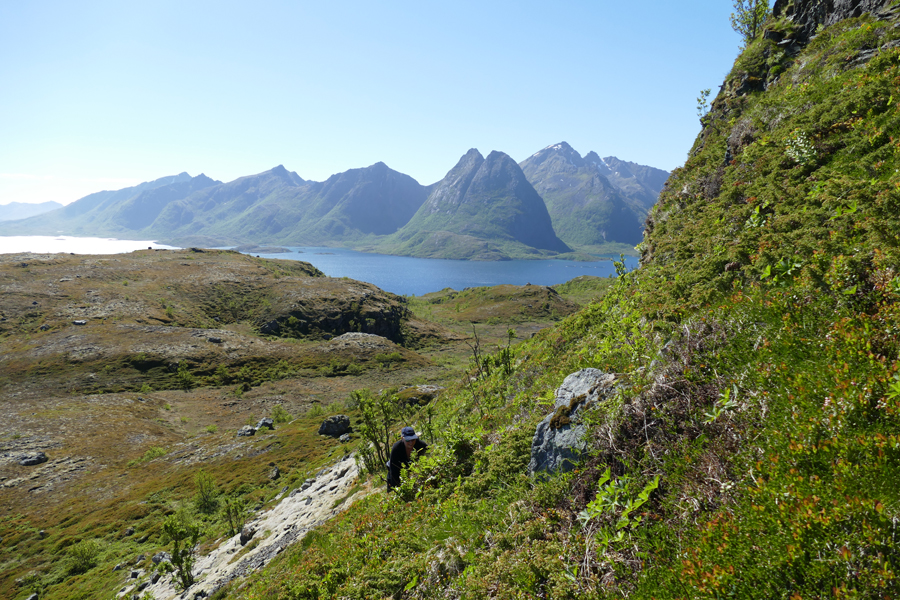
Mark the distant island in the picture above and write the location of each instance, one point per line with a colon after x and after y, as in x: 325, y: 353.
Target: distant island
x: 555, y: 204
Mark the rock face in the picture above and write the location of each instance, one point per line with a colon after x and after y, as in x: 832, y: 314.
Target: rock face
x: 246, y: 431
x: 265, y: 423
x: 591, y: 200
x: 275, y: 529
x: 482, y: 206
x: 809, y: 14
x: 558, y: 441
x: 335, y: 426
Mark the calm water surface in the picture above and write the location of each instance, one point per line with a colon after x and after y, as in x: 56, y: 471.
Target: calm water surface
x: 416, y: 276
x: 44, y: 244
x: 397, y: 274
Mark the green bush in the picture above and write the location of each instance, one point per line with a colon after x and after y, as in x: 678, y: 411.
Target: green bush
x: 280, y: 415
x: 83, y: 556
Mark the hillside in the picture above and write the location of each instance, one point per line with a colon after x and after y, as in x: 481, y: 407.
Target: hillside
x: 737, y: 397
x: 119, y: 212
x: 483, y: 209
x: 722, y: 422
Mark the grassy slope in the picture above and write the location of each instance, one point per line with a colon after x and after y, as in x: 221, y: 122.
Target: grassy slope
x: 757, y: 354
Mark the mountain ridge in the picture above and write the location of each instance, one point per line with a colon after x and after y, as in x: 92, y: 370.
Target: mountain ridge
x: 361, y: 207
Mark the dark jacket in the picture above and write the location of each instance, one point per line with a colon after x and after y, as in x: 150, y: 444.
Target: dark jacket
x: 399, y: 460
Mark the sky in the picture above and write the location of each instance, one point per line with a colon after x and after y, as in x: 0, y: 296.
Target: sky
x: 103, y: 95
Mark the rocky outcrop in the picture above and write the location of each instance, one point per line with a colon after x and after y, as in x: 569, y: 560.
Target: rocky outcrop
x: 559, y: 442
x: 335, y: 426
x: 30, y: 460
x: 807, y: 15
x: 303, y: 509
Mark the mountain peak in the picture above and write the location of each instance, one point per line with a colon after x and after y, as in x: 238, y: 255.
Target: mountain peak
x: 560, y: 151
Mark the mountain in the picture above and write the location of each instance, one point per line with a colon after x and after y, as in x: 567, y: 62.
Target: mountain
x: 586, y: 207
x: 115, y: 213
x: 484, y: 208
x: 276, y: 206
x: 639, y: 183
x: 279, y: 207
x: 22, y: 210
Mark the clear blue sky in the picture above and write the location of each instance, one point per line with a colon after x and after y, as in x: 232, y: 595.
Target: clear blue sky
x: 101, y: 95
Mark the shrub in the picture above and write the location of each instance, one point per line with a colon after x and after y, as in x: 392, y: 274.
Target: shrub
x: 83, y: 556
x: 379, y: 414
x: 184, y: 376
x: 280, y: 415
x: 207, y: 497
x: 184, y: 533
x: 234, y: 514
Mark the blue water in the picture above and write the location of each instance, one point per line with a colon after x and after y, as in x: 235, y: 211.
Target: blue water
x: 398, y: 274
x: 416, y: 276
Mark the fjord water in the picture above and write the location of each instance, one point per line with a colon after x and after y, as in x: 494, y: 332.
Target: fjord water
x: 398, y: 274
x: 48, y: 244
x: 416, y: 276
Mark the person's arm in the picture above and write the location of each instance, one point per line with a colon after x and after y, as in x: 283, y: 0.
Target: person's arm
x: 396, y: 463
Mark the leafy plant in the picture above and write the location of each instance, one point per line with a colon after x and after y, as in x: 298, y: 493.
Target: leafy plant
x: 234, y: 514
x: 83, y: 556
x: 206, y: 499
x: 184, y: 534
x: 184, y: 376
x: 280, y: 415
x: 748, y: 18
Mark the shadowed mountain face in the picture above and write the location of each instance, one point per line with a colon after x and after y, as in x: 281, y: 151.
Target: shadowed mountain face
x: 483, y: 208
x: 590, y: 201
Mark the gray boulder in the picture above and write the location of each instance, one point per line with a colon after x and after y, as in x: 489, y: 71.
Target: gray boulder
x: 247, y: 534
x: 335, y: 426
x: 265, y: 422
x: 246, y: 431
x: 161, y: 557
x: 29, y: 460
x: 558, y: 441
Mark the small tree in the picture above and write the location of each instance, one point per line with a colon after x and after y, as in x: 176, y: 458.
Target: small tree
x: 234, y: 513
x: 184, y: 533
x: 378, y: 415
x: 748, y: 18
x: 184, y: 376
x: 207, y: 497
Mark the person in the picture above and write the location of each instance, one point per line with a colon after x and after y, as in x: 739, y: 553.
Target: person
x: 402, y: 453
